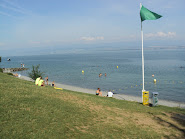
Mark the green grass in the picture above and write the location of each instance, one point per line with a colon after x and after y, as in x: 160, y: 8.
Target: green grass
x: 29, y: 111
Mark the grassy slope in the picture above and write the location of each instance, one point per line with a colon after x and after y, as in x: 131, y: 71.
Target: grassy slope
x: 29, y: 111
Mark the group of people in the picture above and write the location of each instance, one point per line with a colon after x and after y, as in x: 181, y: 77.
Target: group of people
x: 40, y: 82
x: 22, y: 65
x: 101, y: 74
x: 17, y: 75
x: 99, y: 93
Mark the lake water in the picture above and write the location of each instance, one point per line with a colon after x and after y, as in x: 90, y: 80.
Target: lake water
x: 166, y: 65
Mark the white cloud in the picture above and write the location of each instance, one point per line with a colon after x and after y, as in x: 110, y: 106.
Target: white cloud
x: 10, y: 6
x: 35, y: 42
x: 6, y: 14
x: 161, y: 35
x: 92, y: 38
x: 1, y: 44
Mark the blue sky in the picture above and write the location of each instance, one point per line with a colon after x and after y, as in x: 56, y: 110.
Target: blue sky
x: 27, y: 25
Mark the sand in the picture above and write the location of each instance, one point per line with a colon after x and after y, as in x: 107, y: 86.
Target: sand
x: 117, y: 96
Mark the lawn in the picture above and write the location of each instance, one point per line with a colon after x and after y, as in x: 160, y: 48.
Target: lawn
x: 29, y: 111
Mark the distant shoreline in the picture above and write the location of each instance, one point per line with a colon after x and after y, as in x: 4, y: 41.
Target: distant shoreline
x: 117, y: 96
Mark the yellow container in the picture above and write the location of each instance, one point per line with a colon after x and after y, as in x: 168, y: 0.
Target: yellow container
x: 146, y: 98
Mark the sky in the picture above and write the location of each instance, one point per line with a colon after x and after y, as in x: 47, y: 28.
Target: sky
x: 29, y: 27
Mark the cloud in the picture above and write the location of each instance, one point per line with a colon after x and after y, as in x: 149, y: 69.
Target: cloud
x: 6, y: 14
x: 1, y: 44
x: 35, y: 42
x: 161, y: 35
x: 13, y: 7
x: 92, y: 38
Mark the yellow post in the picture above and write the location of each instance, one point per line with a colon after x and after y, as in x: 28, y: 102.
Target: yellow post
x: 145, y: 97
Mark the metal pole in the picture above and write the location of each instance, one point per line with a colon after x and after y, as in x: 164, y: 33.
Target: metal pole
x: 142, y: 57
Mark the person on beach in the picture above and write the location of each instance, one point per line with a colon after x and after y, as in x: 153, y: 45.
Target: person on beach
x: 53, y: 84
x: 37, y: 80
x: 46, y: 79
x: 98, y: 92
x: 41, y: 82
x: 109, y: 94
x: 16, y: 75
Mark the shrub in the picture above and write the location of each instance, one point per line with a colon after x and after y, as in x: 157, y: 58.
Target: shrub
x: 35, y: 73
x: 1, y: 70
x: 10, y: 74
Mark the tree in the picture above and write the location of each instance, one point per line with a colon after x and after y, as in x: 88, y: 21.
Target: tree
x: 35, y: 73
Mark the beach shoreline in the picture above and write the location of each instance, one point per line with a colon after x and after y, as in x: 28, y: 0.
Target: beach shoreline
x: 117, y: 96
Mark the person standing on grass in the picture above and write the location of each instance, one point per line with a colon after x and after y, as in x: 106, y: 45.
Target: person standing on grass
x: 46, y: 79
x: 37, y: 80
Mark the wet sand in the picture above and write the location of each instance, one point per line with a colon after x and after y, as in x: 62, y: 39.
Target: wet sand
x: 117, y: 96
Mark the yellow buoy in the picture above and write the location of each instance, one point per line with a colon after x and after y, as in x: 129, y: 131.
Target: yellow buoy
x: 155, y: 80
x: 82, y: 71
x: 117, y: 67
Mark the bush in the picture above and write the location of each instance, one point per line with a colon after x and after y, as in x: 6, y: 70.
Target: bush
x: 10, y: 74
x: 35, y: 73
x: 1, y: 70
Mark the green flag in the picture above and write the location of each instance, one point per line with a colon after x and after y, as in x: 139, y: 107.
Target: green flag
x: 146, y: 14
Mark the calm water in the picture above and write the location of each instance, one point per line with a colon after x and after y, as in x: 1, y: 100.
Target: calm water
x: 126, y: 79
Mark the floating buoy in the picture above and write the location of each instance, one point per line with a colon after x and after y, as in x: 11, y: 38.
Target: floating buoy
x: 117, y: 67
x: 82, y: 71
x: 155, y: 80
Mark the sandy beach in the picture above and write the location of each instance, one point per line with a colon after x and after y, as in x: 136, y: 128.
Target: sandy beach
x: 117, y: 96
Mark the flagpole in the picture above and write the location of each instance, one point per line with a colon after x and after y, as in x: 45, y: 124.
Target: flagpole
x: 145, y: 14
x: 142, y: 57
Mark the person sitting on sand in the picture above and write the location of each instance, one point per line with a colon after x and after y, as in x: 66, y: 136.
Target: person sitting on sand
x: 98, y: 92
x: 37, y: 80
x: 46, y: 79
x: 109, y: 94
x: 41, y: 82
x: 16, y: 75
x: 53, y: 84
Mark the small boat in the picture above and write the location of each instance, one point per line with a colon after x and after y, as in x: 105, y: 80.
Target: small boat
x: 8, y: 59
